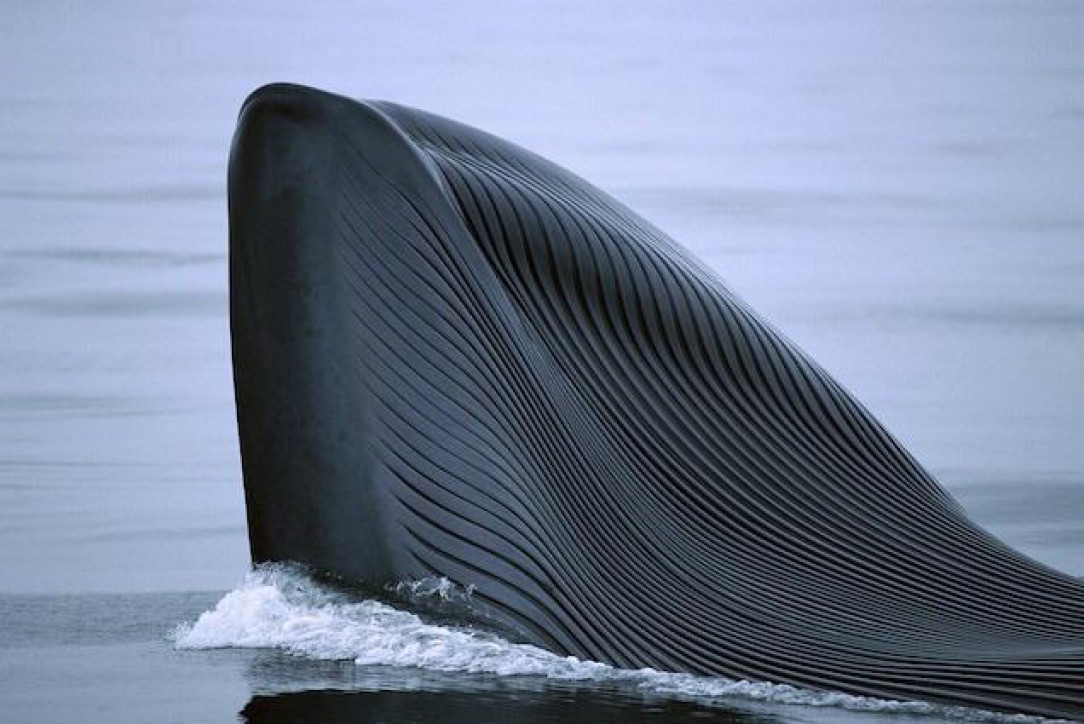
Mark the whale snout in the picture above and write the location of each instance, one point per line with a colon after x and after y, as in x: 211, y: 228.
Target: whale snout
x: 284, y: 102
x: 294, y: 369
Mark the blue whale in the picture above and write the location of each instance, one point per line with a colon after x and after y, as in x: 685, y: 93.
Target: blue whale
x: 454, y: 358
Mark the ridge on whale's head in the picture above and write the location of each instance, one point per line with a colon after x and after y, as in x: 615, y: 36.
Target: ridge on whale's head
x: 454, y: 359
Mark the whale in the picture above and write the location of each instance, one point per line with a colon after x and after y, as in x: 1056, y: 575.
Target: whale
x: 456, y: 360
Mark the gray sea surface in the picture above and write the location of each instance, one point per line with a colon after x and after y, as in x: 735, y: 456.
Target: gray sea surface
x: 899, y: 187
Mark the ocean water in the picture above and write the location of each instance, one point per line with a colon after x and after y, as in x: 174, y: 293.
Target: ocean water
x: 899, y: 187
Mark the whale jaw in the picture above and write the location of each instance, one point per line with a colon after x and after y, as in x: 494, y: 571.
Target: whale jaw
x: 302, y: 414
x: 455, y: 359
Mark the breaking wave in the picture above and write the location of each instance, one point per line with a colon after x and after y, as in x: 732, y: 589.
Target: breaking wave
x: 280, y: 607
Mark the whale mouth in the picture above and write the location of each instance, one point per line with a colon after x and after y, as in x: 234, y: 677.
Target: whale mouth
x: 455, y: 360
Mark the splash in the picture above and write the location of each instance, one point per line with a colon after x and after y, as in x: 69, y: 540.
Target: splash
x: 430, y: 587
x: 280, y: 607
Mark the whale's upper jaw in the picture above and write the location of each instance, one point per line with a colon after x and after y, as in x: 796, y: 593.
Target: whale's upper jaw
x: 453, y: 358
x: 280, y: 222
x: 290, y: 98
x: 298, y: 159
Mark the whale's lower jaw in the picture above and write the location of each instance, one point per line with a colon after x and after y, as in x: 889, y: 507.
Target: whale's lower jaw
x: 454, y: 358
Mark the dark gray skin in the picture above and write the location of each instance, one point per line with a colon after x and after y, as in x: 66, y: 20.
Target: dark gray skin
x: 453, y: 358
x: 302, y: 414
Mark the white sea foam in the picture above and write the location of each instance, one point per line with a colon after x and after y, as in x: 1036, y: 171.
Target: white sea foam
x: 431, y: 587
x: 280, y: 607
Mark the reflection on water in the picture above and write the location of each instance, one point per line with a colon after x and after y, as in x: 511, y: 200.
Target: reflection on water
x: 451, y: 707
x: 287, y: 689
